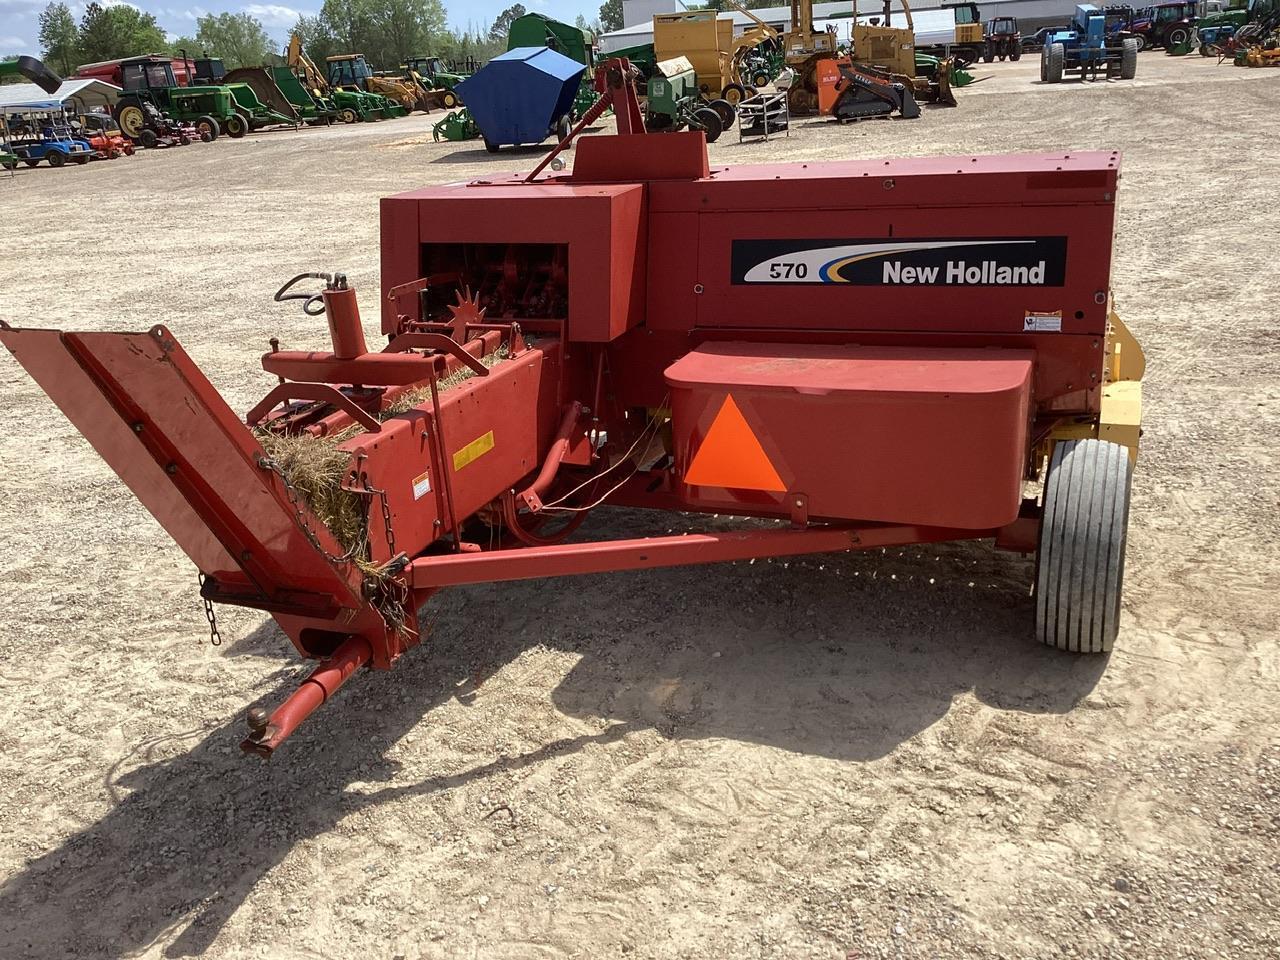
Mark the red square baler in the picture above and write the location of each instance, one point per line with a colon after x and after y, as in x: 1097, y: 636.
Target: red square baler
x: 846, y: 355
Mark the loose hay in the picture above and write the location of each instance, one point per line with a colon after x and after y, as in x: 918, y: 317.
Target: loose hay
x: 411, y: 398
x: 316, y: 468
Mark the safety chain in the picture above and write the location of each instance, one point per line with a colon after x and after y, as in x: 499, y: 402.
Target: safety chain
x: 386, y: 518
x: 215, y: 638
x: 386, y: 585
x: 296, y: 501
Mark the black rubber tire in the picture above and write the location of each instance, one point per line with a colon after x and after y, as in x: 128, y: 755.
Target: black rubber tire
x: 1142, y: 42
x: 82, y: 158
x: 1177, y: 36
x: 988, y: 55
x: 563, y: 128
x: 348, y: 115
x: 449, y: 100
x: 491, y: 147
x: 236, y: 126
x: 728, y: 115
x: 210, y: 125
x: 735, y: 93
x: 31, y: 163
x: 149, y: 139
x: 760, y: 80
x: 1015, y: 54
x: 55, y: 158
x: 1129, y: 60
x: 1080, y: 558
x: 708, y: 121
x: 1206, y: 50
x: 1053, y: 57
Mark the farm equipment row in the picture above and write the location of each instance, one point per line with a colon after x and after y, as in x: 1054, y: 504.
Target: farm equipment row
x: 555, y: 347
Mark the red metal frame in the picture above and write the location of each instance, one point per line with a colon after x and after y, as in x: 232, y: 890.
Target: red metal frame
x: 889, y: 413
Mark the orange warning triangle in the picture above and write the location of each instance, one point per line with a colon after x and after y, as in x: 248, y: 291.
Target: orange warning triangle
x: 731, y: 456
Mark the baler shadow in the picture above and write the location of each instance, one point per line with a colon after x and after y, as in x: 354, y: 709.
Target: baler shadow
x: 843, y: 656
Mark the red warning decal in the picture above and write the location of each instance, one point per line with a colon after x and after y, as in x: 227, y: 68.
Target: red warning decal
x: 731, y: 456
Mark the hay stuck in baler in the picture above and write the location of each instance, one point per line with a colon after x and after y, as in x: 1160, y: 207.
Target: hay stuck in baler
x: 316, y: 466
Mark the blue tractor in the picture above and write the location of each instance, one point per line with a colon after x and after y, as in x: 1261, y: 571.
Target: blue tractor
x: 1085, y: 48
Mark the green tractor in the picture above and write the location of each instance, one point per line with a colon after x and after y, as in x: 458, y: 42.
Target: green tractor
x: 257, y: 97
x: 430, y: 73
x: 1213, y: 31
x: 150, y: 79
x: 675, y: 102
x: 350, y: 106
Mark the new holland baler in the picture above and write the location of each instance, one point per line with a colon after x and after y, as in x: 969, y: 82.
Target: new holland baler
x: 808, y: 345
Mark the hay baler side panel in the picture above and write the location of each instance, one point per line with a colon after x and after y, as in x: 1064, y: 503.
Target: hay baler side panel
x: 158, y: 422
x: 902, y: 435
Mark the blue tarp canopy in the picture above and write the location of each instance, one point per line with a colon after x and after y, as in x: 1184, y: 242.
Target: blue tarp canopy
x: 519, y: 96
x: 31, y: 106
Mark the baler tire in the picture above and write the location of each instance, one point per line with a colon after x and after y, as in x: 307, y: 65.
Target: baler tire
x: 1080, y: 556
x: 725, y: 110
x: 1053, y: 62
x: 735, y: 93
x: 1129, y: 60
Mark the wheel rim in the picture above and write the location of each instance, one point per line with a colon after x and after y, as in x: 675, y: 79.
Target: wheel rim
x: 130, y: 120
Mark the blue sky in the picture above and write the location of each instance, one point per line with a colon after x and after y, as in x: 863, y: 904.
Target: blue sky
x: 19, y: 26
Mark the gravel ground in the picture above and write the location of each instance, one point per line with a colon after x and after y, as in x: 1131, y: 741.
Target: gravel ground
x: 849, y: 757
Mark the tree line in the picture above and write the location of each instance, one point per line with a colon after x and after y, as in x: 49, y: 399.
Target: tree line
x: 385, y: 31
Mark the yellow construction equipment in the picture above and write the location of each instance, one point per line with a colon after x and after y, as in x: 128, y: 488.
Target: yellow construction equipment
x: 706, y: 40
x: 351, y: 71
x: 803, y: 47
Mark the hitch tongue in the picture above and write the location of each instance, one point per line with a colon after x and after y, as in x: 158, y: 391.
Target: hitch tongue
x: 268, y: 732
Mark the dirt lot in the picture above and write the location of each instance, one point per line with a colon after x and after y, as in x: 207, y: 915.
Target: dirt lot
x: 861, y: 756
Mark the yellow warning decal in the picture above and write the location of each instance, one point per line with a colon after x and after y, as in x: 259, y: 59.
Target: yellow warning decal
x: 473, y: 451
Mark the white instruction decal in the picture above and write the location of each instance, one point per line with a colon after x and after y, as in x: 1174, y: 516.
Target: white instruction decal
x: 1042, y: 322
x: 421, y: 485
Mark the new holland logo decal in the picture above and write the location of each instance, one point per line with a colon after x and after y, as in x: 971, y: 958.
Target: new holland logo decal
x: 973, y: 262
